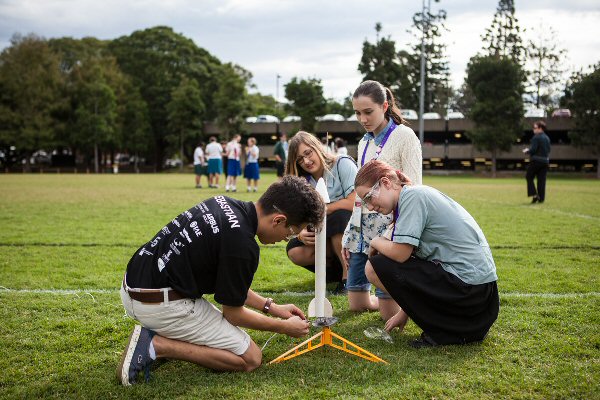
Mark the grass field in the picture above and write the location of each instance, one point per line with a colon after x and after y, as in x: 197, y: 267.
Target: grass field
x: 65, y: 241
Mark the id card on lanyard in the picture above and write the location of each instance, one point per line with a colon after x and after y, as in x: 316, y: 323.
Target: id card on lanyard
x: 378, y: 151
x: 355, y: 219
x: 379, y: 148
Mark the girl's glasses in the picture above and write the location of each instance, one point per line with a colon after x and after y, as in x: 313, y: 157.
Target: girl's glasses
x: 307, y: 154
x: 374, y: 192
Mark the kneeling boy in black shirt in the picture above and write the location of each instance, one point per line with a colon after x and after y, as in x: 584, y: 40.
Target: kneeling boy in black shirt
x: 211, y: 249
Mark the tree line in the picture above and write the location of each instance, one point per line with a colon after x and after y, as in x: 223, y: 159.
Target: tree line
x: 149, y: 93
x: 503, y: 76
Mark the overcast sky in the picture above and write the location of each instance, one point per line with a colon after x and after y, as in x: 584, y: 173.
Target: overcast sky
x: 304, y: 38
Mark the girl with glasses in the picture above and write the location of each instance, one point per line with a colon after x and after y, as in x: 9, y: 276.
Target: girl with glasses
x: 307, y: 158
x: 436, y: 264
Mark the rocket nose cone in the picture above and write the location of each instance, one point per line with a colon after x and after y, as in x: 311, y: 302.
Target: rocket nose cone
x: 322, y: 190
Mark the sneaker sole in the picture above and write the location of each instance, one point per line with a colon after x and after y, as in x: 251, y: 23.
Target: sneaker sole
x: 123, y: 368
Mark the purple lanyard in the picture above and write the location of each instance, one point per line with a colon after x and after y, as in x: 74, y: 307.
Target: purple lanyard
x: 380, y: 147
x: 396, y: 214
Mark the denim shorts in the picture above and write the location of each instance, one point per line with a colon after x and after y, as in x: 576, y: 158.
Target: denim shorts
x: 357, y: 280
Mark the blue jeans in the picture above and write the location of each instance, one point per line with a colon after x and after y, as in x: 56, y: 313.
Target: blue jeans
x: 357, y: 280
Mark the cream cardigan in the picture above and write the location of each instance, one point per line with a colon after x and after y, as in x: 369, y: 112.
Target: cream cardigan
x: 402, y: 151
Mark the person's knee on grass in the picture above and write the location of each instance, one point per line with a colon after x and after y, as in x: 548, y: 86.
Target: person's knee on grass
x: 252, y: 357
x: 302, y: 256
x: 372, y: 275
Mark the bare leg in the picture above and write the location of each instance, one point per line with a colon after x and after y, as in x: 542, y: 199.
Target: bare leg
x: 362, y: 301
x: 303, y: 255
x: 387, y: 307
x: 220, y: 360
x: 372, y: 276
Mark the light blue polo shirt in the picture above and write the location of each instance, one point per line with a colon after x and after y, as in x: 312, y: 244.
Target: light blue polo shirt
x: 340, y: 179
x: 442, y: 230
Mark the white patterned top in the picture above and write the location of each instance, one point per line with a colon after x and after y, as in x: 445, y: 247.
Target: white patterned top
x: 402, y: 151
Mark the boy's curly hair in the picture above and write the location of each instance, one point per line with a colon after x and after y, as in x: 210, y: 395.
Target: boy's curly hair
x: 295, y: 198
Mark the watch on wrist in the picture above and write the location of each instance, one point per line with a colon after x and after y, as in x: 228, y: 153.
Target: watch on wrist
x: 267, y: 305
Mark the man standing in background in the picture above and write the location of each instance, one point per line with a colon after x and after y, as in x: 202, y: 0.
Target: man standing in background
x: 538, y: 162
x: 280, y: 151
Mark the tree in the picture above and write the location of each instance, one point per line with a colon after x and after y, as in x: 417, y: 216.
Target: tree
x: 135, y: 124
x: 585, y: 104
x: 398, y: 70
x: 30, y: 84
x: 379, y: 61
x: 73, y: 52
x: 87, y: 65
x: 230, y: 99
x: 96, y: 108
x: 401, y: 70
x: 406, y: 88
x: 185, y: 114
x: 156, y: 59
x: 503, y: 37
x: 306, y: 100
x: 462, y: 99
x: 546, y: 70
x: 497, y: 86
x: 428, y: 27
x: 263, y: 104
x: 345, y: 108
x: 76, y: 56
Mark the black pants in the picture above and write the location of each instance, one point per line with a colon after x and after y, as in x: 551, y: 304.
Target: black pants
x: 539, y: 170
x: 447, y: 309
x: 336, y: 223
x: 280, y: 168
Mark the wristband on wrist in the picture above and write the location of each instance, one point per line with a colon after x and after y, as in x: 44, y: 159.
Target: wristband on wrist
x: 267, y: 305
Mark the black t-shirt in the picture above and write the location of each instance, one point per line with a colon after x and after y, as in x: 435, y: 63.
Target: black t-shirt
x: 208, y: 249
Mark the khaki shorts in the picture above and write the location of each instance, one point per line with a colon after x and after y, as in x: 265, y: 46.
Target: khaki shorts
x: 193, y: 321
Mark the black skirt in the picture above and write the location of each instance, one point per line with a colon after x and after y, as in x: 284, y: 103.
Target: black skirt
x: 336, y: 224
x: 446, y: 308
x: 337, y: 221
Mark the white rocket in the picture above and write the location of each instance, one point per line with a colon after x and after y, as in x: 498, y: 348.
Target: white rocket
x: 320, y: 306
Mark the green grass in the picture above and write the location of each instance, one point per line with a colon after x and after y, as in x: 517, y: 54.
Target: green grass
x: 66, y: 239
